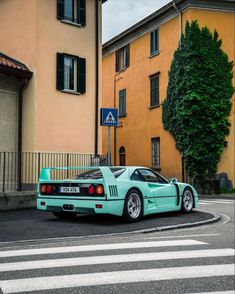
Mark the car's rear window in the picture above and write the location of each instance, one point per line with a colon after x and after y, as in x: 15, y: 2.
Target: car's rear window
x: 96, y: 173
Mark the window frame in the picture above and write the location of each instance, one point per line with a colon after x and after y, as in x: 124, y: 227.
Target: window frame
x: 122, y: 103
x: 154, y: 98
x: 154, y: 42
x: 155, y: 165
x: 78, y: 17
x: 79, y: 74
x: 123, y: 56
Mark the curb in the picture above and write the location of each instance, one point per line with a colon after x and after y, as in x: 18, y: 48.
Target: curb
x: 214, y: 219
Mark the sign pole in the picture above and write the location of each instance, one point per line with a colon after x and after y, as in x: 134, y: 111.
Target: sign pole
x: 109, y: 118
x: 109, y: 155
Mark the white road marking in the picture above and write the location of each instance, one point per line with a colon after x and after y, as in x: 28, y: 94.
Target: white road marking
x: 117, y: 277
x: 108, y: 259
x: 98, y: 247
x: 216, y: 201
x: 183, y: 236
x: 216, y: 292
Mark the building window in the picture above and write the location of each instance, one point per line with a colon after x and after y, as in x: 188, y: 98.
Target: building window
x: 72, y: 11
x: 122, y: 58
x: 154, y: 42
x: 71, y: 73
x: 154, y: 90
x: 122, y: 103
x: 155, y: 152
x: 122, y: 156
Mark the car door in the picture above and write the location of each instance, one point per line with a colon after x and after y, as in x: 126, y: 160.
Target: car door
x: 162, y: 194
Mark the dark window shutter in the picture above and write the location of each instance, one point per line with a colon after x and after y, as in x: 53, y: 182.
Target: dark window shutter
x: 81, y: 75
x: 60, y: 72
x: 156, y: 41
x: 60, y: 9
x: 81, y: 12
x: 127, y: 55
x: 117, y: 61
x: 151, y: 43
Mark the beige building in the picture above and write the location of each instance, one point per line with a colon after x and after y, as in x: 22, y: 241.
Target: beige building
x: 60, y: 43
x: 50, y: 75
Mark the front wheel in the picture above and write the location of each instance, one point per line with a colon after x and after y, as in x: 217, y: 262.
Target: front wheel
x: 187, y: 200
x: 133, y: 206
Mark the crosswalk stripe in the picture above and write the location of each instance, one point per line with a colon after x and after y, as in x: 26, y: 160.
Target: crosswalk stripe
x: 105, y: 278
x: 216, y: 292
x: 108, y: 259
x: 99, y: 247
x: 217, y: 201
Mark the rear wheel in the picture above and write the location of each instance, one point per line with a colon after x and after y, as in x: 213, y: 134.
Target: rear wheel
x: 187, y: 200
x: 65, y: 214
x: 133, y: 206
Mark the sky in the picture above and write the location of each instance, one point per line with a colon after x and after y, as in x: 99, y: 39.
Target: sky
x: 118, y: 15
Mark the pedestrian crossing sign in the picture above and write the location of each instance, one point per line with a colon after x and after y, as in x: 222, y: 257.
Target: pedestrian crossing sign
x: 108, y: 117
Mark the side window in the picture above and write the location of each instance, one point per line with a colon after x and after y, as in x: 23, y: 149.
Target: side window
x: 151, y: 176
x: 71, y: 73
x: 154, y: 42
x: 122, y: 58
x: 72, y: 11
x: 136, y: 176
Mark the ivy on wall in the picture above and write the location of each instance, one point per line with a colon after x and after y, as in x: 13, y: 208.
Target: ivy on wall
x: 196, y: 109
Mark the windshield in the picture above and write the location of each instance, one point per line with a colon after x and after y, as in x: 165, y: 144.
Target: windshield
x: 96, y: 173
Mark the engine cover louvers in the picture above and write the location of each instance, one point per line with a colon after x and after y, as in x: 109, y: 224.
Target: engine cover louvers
x: 113, y: 191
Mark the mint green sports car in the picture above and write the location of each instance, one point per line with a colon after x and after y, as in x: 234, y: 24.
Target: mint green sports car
x: 129, y: 191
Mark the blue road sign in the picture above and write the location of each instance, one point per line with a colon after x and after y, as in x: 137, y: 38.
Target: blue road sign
x: 109, y: 117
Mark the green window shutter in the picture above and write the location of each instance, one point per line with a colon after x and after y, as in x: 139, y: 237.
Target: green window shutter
x: 156, y: 40
x: 127, y: 55
x: 81, y: 12
x: 117, y: 61
x: 60, y: 72
x: 60, y: 9
x: 81, y: 75
x: 152, y: 43
x: 122, y: 102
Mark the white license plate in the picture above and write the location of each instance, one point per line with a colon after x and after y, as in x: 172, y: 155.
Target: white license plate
x: 69, y: 190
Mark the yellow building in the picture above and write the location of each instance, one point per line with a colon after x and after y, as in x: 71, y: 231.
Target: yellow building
x: 135, y: 77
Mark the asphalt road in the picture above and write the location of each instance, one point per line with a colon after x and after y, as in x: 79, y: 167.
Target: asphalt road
x: 193, y: 260
x: 31, y: 224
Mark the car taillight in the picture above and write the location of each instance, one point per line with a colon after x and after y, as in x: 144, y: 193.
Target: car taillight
x: 43, y: 189
x: 46, y: 189
x: 49, y: 189
x: 91, y: 190
x: 99, y: 190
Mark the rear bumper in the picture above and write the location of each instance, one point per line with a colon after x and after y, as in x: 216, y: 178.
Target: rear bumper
x: 114, y: 207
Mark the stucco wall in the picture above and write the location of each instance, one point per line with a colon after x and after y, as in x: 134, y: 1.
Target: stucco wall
x: 52, y: 121
x: 141, y: 123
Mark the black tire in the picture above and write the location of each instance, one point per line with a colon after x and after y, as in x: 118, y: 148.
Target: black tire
x: 65, y: 214
x: 133, y: 206
x: 187, y: 200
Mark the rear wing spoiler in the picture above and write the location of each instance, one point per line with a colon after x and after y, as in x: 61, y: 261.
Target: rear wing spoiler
x: 105, y: 170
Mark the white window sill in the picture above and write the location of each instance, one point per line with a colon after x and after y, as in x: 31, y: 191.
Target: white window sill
x: 71, y: 92
x: 71, y: 23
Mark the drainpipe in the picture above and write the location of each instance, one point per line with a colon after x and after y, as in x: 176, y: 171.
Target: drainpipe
x: 19, y: 148
x: 180, y: 19
x: 96, y: 73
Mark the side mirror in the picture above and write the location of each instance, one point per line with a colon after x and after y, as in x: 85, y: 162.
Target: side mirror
x: 173, y: 181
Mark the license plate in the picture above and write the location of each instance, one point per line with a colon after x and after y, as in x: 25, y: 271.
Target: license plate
x: 69, y: 190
